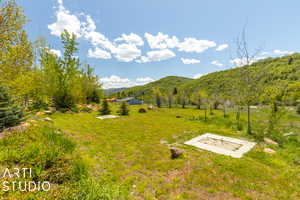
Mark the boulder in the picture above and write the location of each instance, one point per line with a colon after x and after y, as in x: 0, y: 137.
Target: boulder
x: 150, y: 107
x: 48, y: 112
x: 48, y: 119
x: 142, y: 110
x: 175, y: 152
x: 40, y: 113
x: 269, y: 151
x: 270, y: 141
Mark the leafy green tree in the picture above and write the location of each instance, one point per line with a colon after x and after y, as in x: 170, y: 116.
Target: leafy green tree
x: 158, y: 97
x: 62, y: 75
x: 16, y: 54
x: 10, y: 113
x: 124, y: 109
x: 104, y: 110
x: 197, y: 99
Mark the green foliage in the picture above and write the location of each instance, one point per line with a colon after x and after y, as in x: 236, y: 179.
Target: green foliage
x: 124, y: 109
x: 298, y: 109
x: 47, y: 152
x: 104, y: 110
x: 147, y: 91
x: 16, y: 54
x: 10, y: 114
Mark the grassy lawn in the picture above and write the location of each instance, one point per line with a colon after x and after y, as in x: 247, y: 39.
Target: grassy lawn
x: 130, y: 159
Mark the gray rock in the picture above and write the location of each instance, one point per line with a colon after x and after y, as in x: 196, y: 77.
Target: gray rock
x: 175, y: 152
x: 270, y: 141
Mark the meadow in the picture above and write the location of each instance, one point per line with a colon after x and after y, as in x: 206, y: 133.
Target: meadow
x: 129, y: 157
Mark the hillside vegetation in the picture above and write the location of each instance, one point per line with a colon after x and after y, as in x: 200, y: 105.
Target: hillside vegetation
x: 271, y: 71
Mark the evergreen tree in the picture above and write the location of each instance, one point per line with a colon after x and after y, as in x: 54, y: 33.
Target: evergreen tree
x: 124, y: 109
x: 104, y: 110
x: 10, y: 114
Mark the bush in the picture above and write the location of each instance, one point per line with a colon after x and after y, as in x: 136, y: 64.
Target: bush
x: 124, y: 109
x: 104, y: 110
x: 86, y: 109
x: 75, y: 109
x: 298, y: 109
x: 142, y: 110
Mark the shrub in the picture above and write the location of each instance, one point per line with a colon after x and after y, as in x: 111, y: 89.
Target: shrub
x: 75, y: 109
x: 298, y: 109
x: 104, y: 110
x: 86, y: 109
x: 142, y: 110
x: 124, y: 109
x: 10, y: 113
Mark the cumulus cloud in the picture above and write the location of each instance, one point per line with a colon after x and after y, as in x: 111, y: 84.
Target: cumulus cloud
x: 194, y: 45
x: 99, y: 53
x: 65, y: 21
x: 222, y: 47
x: 217, y: 63
x: 118, y: 82
x: 132, y: 38
x: 282, y: 53
x: 161, y: 41
x: 188, y: 61
x: 127, y: 52
x: 55, y: 52
x: 158, y: 55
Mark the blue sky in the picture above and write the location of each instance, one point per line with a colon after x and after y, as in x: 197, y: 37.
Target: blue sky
x: 132, y: 42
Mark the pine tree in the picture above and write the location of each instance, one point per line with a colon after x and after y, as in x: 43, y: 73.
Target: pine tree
x: 10, y: 114
x: 124, y: 109
x: 104, y: 110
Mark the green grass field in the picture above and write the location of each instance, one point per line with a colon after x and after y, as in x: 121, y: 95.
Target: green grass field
x: 128, y: 157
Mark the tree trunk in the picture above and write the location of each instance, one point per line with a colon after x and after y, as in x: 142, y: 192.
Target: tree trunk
x: 249, y: 123
x: 205, y: 114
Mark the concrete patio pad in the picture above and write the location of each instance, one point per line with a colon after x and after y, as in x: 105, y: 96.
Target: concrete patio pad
x: 107, y: 117
x: 221, y: 145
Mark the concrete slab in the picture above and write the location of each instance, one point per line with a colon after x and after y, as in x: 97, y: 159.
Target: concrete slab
x: 107, y: 117
x: 221, y: 145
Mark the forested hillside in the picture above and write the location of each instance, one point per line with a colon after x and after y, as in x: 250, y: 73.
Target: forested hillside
x: 281, y: 71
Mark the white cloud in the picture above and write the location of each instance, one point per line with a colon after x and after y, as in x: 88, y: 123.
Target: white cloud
x: 99, y: 53
x: 65, y: 21
x: 197, y: 76
x: 282, y: 53
x: 241, y: 61
x: 217, y: 63
x: 55, y: 52
x: 126, y: 52
x: 195, y: 45
x: 222, y: 47
x: 132, y: 38
x: 161, y: 41
x: 118, y: 82
x: 158, y: 55
x: 188, y: 61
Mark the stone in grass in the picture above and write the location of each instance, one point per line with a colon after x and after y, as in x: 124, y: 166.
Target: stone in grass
x: 142, y: 110
x: 270, y: 142
x: 48, y: 112
x: 178, y: 116
x: 175, y: 152
x: 269, y: 151
x: 150, y: 107
x: 48, y: 119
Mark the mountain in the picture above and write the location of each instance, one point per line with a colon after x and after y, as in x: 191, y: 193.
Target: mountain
x: 113, y: 90
x: 165, y: 84
x: 270, y: 71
